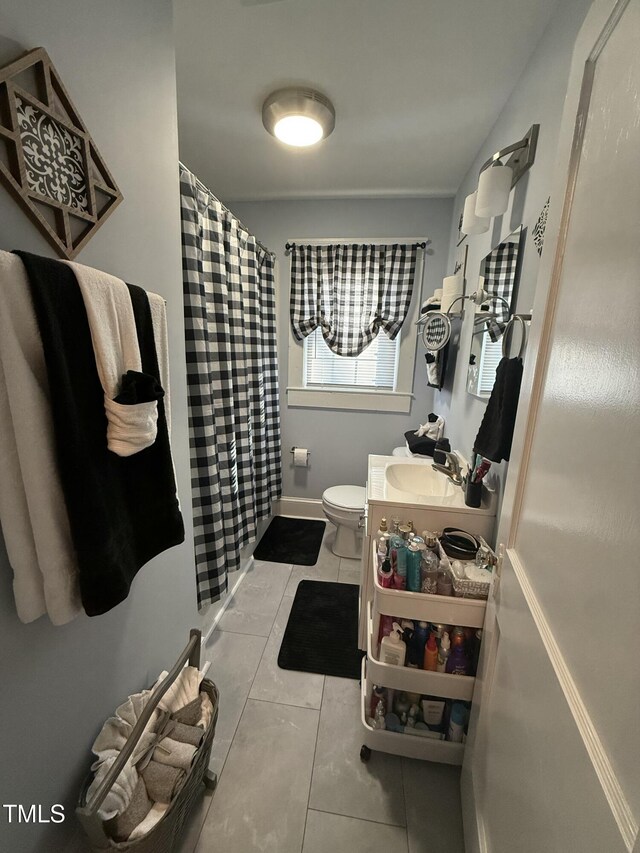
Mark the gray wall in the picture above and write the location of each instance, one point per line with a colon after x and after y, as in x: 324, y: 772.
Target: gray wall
x: 538, y: 97
x: 341, y: 440
x: 58, y: 684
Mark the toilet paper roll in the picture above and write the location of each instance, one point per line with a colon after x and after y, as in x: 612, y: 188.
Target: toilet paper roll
x: 300, y: 457
x: 452, y: 287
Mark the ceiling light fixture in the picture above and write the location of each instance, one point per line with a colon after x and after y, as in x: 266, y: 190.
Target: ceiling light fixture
x: 298, y: 117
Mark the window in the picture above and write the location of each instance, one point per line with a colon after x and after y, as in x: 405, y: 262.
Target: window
x: 489, y: 360
x: 375, y: 368
x: 379, y: 379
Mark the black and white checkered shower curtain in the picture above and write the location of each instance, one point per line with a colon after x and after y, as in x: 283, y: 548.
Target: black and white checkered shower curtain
x: 351, y: 292
x: 232, y: 383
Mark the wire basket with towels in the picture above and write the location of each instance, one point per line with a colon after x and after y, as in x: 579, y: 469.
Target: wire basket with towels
x: 166, y: 832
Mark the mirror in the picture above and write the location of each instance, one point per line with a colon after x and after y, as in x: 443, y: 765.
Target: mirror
x: 499, y: 272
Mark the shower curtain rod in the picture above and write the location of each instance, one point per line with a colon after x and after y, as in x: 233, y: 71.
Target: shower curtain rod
x: 239, y: 221
x: 419, y: 245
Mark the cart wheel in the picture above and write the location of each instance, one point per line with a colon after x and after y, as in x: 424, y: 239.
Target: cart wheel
x: 211, y: 780
x: 365, y: 753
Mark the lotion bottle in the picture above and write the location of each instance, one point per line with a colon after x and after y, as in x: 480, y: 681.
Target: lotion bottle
x: 431, y: 654
x: 392, y: 649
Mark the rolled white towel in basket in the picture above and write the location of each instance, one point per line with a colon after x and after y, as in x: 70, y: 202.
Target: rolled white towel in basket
x: 206, y: 711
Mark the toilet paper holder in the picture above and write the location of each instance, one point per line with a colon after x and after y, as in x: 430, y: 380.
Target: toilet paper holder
x: 294, y: 448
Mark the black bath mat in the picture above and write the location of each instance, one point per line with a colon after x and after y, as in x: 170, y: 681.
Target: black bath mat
x: 291, y: 540
x: 322, y: 631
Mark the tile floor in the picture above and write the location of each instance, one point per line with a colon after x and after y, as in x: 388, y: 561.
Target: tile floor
x: 287, y: 746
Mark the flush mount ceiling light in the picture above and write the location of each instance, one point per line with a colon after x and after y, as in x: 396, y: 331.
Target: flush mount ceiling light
x: 298, y: 117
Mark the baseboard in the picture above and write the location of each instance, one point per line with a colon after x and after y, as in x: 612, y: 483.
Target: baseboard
x: 299, y: 507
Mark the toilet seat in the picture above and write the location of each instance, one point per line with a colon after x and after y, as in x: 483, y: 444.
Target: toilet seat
x: 349, y: 498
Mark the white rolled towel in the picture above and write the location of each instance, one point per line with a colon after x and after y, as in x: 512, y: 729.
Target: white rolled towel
x: 130, y: 428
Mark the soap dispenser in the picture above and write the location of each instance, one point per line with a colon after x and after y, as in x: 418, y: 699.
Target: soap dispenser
x: 392, y: 649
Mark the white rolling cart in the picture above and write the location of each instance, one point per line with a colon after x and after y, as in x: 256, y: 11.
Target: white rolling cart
x: 467, y: 612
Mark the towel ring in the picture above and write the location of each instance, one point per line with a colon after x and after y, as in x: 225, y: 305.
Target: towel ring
x: 509, y: 328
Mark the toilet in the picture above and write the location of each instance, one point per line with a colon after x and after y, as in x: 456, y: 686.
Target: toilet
x: 344, y: 507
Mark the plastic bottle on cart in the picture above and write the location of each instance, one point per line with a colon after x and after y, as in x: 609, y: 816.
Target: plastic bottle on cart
x: 429, y: 572
x: 414, y: 560
x: 397, y: 548
x: 443, y: 652
x: 383, y: 537
x: 431, y: 541
x: 406, y: 531
x: 457, y: 722
x: 457, y: 662
x: 415, y: 651
x: 383, y: 551
x: 385, y: 575
x: 458, y: 637
x: 392, y: 649
x: 383, y: 530
x: 400, y: 552
x: 431, y: 654
x: 378, y: 716
x: 378, y: 694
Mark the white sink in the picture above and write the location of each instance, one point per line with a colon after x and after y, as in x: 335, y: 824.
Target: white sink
x: 418, y: 483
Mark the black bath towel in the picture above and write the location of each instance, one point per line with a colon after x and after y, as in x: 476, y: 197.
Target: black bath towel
x: 122, y: 510
x: 496, y: 430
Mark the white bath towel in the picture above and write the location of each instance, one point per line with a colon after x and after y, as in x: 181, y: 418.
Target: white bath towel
x: 184, y: 689
x: 32, y: 508
x: 130, y: 428
x: 120, y: 793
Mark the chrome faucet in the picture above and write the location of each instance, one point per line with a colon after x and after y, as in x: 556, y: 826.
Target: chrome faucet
x: 451, y: 469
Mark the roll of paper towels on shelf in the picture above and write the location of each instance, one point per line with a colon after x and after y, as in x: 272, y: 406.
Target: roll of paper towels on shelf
x: 452, y: 287
x: 300, y: 457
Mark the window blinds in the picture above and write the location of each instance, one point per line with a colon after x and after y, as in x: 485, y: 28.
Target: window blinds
x: 489, y: 360
x: 375, y: 367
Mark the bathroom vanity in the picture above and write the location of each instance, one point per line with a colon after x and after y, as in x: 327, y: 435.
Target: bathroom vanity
x: 412, y: 490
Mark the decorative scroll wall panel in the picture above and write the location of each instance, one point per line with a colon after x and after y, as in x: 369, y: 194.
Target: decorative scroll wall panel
x: 51, y: 164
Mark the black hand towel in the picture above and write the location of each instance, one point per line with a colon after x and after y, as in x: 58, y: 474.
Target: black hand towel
x: 496, y: 430
x: 420, y: 444
x: 122, y: 510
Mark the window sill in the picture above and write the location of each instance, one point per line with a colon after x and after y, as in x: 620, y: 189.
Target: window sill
x: 364, y: 401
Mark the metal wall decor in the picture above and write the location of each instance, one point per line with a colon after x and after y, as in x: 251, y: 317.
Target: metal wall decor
x: 51, y: 164
x: 540, y: 227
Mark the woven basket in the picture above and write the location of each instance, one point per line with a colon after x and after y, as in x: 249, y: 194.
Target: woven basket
x: 167, y: 832
x: 464, y: 588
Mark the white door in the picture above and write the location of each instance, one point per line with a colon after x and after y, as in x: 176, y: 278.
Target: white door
x: 554, y: 758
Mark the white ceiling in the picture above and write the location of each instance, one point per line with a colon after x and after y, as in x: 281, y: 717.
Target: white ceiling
x: 416, y: 84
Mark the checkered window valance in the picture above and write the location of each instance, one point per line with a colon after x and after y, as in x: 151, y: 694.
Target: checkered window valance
x: 351, y: 292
